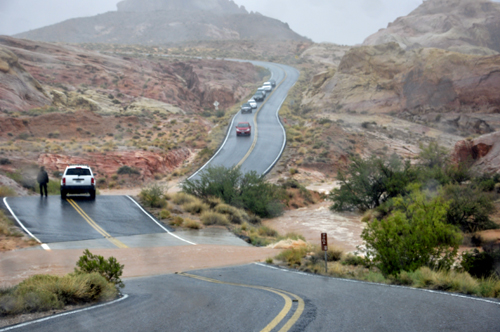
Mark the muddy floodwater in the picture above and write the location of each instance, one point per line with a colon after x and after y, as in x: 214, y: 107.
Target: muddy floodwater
x: 343, y: 229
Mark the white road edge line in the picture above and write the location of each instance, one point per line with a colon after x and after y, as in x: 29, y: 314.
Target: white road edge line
x: 284, y: 138
x: 44, y: 246
x: 166, y: 230
x: 62, y: 314
x: 384, y: 285
x: 218, y: 151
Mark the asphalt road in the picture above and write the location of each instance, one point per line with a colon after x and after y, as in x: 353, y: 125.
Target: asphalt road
x: 262, y: 149
x: 182, y: 303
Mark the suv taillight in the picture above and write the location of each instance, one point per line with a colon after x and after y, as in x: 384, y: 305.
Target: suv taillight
x: 64, y: 181
x: 92, y: 181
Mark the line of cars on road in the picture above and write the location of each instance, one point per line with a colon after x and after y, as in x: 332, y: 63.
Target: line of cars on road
x: 244, y: 128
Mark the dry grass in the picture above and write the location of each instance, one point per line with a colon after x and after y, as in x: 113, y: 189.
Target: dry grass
x: 191, y: 224
x: 213, y: 218
x: 7, y: 192
x: 195, y: 207
x: 181, y: 198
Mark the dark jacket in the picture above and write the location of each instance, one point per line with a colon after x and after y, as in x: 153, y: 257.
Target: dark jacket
x: 42, y: 177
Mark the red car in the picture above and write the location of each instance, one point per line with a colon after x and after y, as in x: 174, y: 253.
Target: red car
x: 243, y: 128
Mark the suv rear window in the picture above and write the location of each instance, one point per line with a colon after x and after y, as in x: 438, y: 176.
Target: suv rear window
x: 78, y: 171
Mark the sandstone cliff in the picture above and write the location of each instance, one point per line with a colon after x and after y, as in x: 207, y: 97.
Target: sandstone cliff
x: 157, y: 22
x: 467, y: 26
x: 422, y: 85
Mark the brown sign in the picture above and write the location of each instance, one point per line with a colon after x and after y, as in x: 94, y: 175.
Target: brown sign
x: 324, y: 242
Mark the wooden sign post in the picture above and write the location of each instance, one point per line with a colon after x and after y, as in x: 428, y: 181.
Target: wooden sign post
x: 324, y: 247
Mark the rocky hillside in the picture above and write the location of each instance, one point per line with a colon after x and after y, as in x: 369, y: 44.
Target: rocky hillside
x: 427, y: 85
x: 157, y: 22
x: 466, y: 26
x: 483, y: 152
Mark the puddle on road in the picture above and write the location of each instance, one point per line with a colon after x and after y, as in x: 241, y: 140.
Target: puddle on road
x: 211, y: 235
x: 343, y: 229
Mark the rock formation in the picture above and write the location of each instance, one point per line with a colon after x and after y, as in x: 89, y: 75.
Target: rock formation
x: 466, y: 26
x: 483, y: 152
x: 386, y: 78
x: 18, y: 89
x: 81, y: 79
x: 156, y: 22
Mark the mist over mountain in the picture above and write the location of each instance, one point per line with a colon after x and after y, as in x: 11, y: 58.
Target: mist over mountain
x: 166, y: 21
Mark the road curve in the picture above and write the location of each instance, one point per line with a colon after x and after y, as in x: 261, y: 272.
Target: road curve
x: 260, y: 151
x: 242, y: 299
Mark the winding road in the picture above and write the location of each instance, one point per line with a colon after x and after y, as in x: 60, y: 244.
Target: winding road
x: 252, y: 297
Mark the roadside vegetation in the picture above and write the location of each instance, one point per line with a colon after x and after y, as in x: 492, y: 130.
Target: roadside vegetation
x: 95, y: 280
x: 417, y: 215
x: 228, y: 198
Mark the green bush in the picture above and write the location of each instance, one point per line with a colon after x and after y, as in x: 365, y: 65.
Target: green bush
x: 109, y: 269
x: 213, y: 218
x: 414, y: 235
x: 249, y: 190
x: 478, y: 264
x: 292, y: 257
x: 128, y: 170
x: 469, y: 208
x: 153, y: 196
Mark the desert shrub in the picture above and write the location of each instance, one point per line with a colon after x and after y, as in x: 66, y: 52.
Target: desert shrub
x: 101, y: 181
x: 43, y: 292
x: 4, y: 161
x: 235, y: 215
x: 165, y: 214
x: 109, y: 269
x: 478, y: 264
x: 414, y: 235
x: 369, y: 183
x: 5, y: 224
x: 267, y: 231
x: 128, y: 170
x: 249, y: 190
x: 213, y: 218
x: 292, y: 257
x: 354, y: 260
x: 195, y: 207
x: 332, y: 255
x: 214, y: 201
x: 255, y: 220
x: 469, y: 208
x: 7, y: 192
x: 153, y: 196
x: 183, y: 198
x: 53, y: 188
x: 188, y: 223
x: 177, y: 221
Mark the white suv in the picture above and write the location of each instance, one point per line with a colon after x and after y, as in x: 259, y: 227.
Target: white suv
x: 78, y: 179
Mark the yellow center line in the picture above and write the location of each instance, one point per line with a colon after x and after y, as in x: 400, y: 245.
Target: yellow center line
x: 94, y: 225
x: 256, y: 127
x: 283, y: 313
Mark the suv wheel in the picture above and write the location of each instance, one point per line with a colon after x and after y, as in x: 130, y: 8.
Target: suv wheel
x: 63, y: 194
x: 92, y: 194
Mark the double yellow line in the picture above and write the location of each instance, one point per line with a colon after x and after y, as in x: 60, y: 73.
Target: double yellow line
x: 283, y: 313
x: 94, y: 225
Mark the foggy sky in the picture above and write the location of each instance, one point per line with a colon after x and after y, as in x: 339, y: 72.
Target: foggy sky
x: 336, y: 21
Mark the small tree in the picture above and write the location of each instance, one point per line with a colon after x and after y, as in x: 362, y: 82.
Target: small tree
x: 109, y: 269
x: 414, y: 235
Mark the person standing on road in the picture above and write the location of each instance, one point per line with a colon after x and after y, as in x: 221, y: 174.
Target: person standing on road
x: 43, y: 179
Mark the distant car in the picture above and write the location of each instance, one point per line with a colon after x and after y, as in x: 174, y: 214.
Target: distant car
x: 267, y: 87
x: 273, y: 83
x: 246, y: 108
x: 243, y: 128
x: 262, y: 90
x: 252, y: 103
x: 78, y: 179
x: 259, y: 96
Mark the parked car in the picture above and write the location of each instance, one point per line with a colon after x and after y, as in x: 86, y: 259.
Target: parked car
x: 246, y: 108
x: 273, y: 83
x: 259, y: 96
x: 78, y: 179
x: 243, y: 128
x: 262, y: 90
x: 252, y: 103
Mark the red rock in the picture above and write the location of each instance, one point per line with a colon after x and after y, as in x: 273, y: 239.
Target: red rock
x: 483, y: 152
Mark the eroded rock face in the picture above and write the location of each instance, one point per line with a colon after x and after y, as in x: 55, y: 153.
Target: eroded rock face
x: 386, y: 78
x: 483, y: 152
x: 18, y: 89
x: 466, y: 26
x: 107, y: 164
x: 188, y: 86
